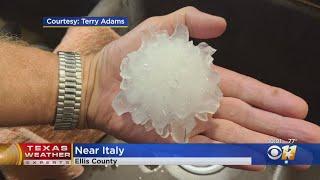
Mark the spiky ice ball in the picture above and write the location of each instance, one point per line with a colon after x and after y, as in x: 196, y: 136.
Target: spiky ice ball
x: 168, y: 83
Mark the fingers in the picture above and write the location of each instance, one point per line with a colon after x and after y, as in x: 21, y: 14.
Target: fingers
x: 265, y: 122
x: 200, y: 25
x: 261, y: 95
x: 229, y: 132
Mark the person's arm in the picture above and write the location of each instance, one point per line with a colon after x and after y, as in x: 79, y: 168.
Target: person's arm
x: 86, y: 40
x: 29, y: 76
x: 29, y: 85
x: 26, y: 76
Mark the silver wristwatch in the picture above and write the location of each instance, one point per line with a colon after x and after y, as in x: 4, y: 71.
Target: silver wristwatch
x: 69, y: 95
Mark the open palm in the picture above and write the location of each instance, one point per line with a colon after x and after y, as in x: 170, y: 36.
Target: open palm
x: 250, y: 111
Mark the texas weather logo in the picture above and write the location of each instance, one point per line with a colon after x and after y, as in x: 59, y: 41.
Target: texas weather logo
x: 284, y: 153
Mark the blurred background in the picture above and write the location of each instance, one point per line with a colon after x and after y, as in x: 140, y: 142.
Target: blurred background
x: 274, y: 41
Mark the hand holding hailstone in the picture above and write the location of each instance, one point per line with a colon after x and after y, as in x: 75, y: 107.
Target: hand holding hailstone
x: 168, y: 83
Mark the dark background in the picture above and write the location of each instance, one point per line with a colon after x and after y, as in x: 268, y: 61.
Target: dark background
x: 275, y: 41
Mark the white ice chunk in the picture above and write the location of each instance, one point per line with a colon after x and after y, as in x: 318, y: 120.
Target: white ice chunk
x: 120, y: 104
x: 167, y: 83
x: 181, y: 32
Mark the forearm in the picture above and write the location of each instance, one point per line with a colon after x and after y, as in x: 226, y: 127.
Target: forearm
x: 86, y: 40
x: 28, y: 85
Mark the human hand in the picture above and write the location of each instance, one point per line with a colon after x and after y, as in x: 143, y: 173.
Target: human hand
x: 250, y: 112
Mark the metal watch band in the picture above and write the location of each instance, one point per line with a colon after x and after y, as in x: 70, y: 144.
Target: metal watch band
x: 69, y: 95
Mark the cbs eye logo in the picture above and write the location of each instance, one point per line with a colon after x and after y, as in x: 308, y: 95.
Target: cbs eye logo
x: 286, y: 152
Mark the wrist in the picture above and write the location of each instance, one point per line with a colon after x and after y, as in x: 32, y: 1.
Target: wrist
x: 95, y: 82
x: 89, y: 63
x: 102, y: 87
x: 76, y: 76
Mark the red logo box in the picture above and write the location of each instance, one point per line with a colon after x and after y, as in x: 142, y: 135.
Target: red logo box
x: 46, y: 151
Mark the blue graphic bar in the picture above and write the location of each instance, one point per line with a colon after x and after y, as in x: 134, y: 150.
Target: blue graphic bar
x: 256, y: 154
x: 111, y: 21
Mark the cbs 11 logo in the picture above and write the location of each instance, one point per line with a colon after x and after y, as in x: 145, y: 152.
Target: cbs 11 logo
x: 287, y: 152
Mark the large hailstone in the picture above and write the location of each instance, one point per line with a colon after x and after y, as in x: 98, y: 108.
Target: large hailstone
x: 168, y: 83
